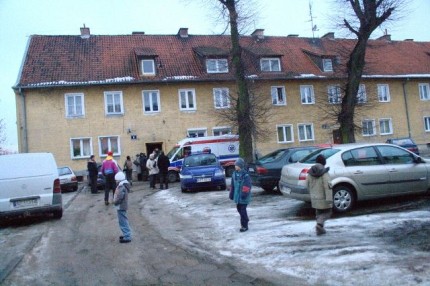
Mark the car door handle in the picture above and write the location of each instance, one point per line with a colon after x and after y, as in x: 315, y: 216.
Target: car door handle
x: 358, y: 172
x: 392, y: 170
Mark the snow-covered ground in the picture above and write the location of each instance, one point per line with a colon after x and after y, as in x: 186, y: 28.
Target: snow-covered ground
x: 374, y: 249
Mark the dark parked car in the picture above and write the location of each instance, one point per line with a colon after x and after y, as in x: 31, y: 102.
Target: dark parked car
x: 266, y: 171
x: 68, y: 180
x: 202, y: 171
x: 406, y: 143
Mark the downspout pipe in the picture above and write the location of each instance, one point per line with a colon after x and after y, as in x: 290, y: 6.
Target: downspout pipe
x: 23, y: 127
x: 406, y: 106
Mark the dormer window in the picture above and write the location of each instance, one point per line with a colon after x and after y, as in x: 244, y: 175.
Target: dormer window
x: 148, y: 67
x: 216, y: 65
x: 327, y: 65
x: 270, y: 64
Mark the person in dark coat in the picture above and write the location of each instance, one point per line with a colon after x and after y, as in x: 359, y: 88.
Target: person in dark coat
x: 93, y: 173
x: 163, y: 166
x: 143, y: 168
x: 240, y: 192
x: 319, y: 186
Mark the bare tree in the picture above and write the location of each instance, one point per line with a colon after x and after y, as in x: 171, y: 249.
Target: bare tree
x: 368, y: 16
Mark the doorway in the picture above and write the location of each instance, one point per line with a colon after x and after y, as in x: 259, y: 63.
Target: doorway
x: 152, y: 146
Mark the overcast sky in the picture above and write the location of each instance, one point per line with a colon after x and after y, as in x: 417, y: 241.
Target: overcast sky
x: 21, y: 18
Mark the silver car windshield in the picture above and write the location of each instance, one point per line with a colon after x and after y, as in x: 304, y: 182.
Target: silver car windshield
x: 311, y: 158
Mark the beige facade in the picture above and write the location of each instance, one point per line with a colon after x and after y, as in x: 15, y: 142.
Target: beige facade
x: 50, y: 130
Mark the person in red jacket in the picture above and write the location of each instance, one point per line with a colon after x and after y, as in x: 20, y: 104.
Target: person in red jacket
x: 109, y: 169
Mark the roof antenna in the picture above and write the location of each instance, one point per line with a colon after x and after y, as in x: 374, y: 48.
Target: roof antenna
x: 314, y: 27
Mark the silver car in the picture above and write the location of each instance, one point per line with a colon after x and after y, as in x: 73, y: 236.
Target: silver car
x: 360, y: 172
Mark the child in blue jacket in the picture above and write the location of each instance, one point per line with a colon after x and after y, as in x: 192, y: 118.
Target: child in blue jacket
x: 240, y: 192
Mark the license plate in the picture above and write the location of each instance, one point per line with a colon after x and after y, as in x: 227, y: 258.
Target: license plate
x: 251, y: 170
x: 202, y: 180
x: 25, y: 203
x: 287, y: 190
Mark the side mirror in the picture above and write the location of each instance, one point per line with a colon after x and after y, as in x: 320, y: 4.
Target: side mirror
x: 418, y: 160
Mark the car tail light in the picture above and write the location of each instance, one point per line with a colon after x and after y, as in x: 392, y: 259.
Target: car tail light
x: 262, y: 171
x: 303, y: 174
x: 57, y: 187
x: 74, y: 179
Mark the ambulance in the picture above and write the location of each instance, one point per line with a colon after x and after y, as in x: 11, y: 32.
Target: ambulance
x: 225, y: 147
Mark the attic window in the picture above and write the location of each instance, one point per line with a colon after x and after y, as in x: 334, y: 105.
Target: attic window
x: 216, y: 65
x: 270, y: 64
x: 148, y: 67
x: 327, y: 65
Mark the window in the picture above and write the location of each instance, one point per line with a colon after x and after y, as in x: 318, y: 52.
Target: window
x: 361, y: 94
x: 113, y: 102
x: 198, y: 132
x: 218, y: 131
x: 270, y: 64
x: 278, y: 95
x: 334, y: 95
x: 427, y: 124
x: 368, y: 127
x: 80, y: 148
x: 306, y: 132
x: 285, y: 133
x: 383, y: 93
x: 327, y: 65
x: 424, y: 91
x: 216, y: 65
x: 151, y: 101
x: 385, y: 126
x: 187, y: 99
x: 148, y: 67
x: 109, y: 143
x: 394, y: 155
x: 365, y: 156
x: 74, y: 104
x: 221, y: 98
x: 307, y: 94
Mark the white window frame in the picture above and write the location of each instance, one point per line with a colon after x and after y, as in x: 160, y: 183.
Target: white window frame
x: 82, y: 147
x: 424, y: 91
x: 383, y: 92
x: 221, y: 130
x: 364, y: 128
x: 202, y: 130
x: 307, y: 95
x: 327, y: 65
x: 152, y: 69
x: 382, y: 126
x: 221, y: 97
x: 117, y: 99
x: 427, y: 123
x: 274, y: 93
x: 74, y: 112
x: 186, y: 92
x: 284, y: 128
x: 150, y: 100
x: 334, y: 94
x: 270, y: 64
x: 306, y: 127
x: 110, y: 145
x: 219, y: 65
x: 361, y: 94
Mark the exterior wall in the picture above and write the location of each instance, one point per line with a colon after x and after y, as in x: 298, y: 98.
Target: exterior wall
x: 50, y: 131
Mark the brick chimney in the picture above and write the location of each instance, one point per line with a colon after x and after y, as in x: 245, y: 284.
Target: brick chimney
x: 85, y: 32
x: 258, y: 34
x: 183, y: 32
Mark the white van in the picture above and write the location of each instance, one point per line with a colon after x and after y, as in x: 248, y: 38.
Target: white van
x: 29, y: 184
x: 225, y: 147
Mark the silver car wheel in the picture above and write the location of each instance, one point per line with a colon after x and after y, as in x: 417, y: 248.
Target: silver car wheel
x: 343, y: 199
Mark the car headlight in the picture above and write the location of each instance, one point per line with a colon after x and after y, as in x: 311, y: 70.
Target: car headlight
x: 183, y: 176
x: 219, y: 173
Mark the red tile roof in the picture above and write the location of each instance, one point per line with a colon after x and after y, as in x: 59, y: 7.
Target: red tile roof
x: 67, y: 60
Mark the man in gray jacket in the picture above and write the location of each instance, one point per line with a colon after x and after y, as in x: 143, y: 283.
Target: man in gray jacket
x: 120, y: 201
x: 319, y: 186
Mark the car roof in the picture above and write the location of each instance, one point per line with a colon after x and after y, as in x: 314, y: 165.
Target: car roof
x: 349, y: 146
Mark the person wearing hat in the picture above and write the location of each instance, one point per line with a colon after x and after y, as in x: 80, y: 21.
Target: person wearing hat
x: 109, y: 169
x: 120, y: 200
x: 240, y: 192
